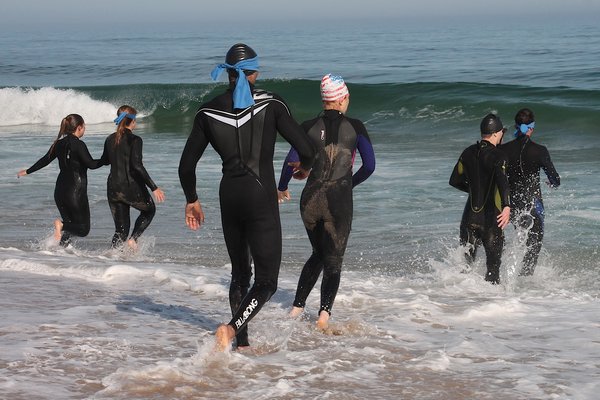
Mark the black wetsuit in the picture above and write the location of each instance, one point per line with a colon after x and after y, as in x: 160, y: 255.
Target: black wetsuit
x: 245, y: 140
x: 126, y: 186
x: 525, y: 159
x: 326, y: 202
x: 481, y: 172
x: 70, y: 192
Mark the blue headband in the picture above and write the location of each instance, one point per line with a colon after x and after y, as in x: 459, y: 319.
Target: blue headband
x: 242, y: 95
x: 523, y: 128
x: 123, y: 115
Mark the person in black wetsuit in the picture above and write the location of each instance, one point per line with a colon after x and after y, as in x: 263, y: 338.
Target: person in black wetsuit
x: 481, y: 172
x: 126, y: 186
x: 70, y: 193
x: 525, y: 159
x: 326, y: 203
x: 241, y: 125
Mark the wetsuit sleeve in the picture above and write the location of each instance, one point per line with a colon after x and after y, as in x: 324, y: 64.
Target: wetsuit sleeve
x: 287, y: 170
x: 42, y: 162
x: 193, y: 150
x: 137, y: 166
x: 295, y: 135
x: 502, y: 180
x: 367, y: 155
x: 549, y: 169
x: 458, y: 179
x: 86, y: 158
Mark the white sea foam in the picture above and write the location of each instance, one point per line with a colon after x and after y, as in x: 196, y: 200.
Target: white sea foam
x: 48, y: 106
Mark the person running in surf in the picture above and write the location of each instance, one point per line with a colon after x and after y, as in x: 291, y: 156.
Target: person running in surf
x: 241, y: 125
x: 70, y: 192
x: 126, y: 185
x: 481, y: 172
x: 525, y: 159
x: 326, y: 204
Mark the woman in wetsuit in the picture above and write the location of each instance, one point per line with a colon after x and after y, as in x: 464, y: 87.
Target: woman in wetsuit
x: 126, y: 186
x: 326, y: 203
x: 70, y: 192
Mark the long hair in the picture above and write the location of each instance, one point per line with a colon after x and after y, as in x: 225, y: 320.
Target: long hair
x: 68, y: 126
x: 125, y: 122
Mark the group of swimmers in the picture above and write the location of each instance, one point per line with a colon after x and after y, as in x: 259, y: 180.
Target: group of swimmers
x: 241, y: 124
x: 126, y: 186
x: 503, y: 183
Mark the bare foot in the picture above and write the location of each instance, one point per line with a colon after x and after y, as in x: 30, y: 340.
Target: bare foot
x: 132, y: 244
x: 224, y: 336
x: 58, y: 225
x: 323, y: 321
x: 296, y: 311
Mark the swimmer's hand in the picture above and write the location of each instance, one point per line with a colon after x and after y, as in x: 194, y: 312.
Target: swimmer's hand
x: 283, y: 196
x: 299, y: 172
x: 159, y: 195
x: 194, y: 216
x: 504, y: 217
x: 21, y: 173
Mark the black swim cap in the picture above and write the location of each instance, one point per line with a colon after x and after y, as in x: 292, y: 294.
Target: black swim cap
x: 239, y: 52
x: 490, y: 124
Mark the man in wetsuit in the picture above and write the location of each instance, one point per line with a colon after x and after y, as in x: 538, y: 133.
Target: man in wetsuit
x: 481, y: 172
x: 326, y: 204
x: 525, y: 159
x: 241, y: 125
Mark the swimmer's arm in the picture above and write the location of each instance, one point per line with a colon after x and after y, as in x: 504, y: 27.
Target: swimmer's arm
x: 548, y: 167
x: 193, y: 150
x: 502, y: 183
x: 138, y: 166
x: 86, y: 158
x: 296, y: 136
x: 287, y: 170
x: 39, y: 164
x: 367, y: 155
x: 458, y: 179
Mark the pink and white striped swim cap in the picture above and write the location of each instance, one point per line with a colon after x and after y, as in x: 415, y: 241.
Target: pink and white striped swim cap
x: 333, y: 88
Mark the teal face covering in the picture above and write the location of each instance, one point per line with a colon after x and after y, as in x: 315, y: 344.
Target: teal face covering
x: 523, y: 128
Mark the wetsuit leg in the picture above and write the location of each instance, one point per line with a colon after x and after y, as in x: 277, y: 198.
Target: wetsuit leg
x: 312, y: 268
x: 241, y: 272
x: 255, y: 214
x: 120, y: 213
x: 469, y: 240
x: 147, y: 210
x: 72, y: 203
x: 535, y: 235
x: 493, y: 242
x: 336, y: 231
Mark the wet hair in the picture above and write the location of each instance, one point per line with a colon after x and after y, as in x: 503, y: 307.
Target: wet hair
x: 68, y: 126
x: 524, y: 116
x: 125, y: 122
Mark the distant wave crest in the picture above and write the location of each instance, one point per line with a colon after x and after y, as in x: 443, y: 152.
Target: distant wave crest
x: 48, y: 106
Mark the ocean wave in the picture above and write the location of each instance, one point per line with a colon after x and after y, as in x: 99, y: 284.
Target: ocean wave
x: 171, y: 107
x: 48, y: 106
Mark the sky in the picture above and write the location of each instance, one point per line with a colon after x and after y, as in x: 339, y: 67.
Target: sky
x: 42, y: 14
